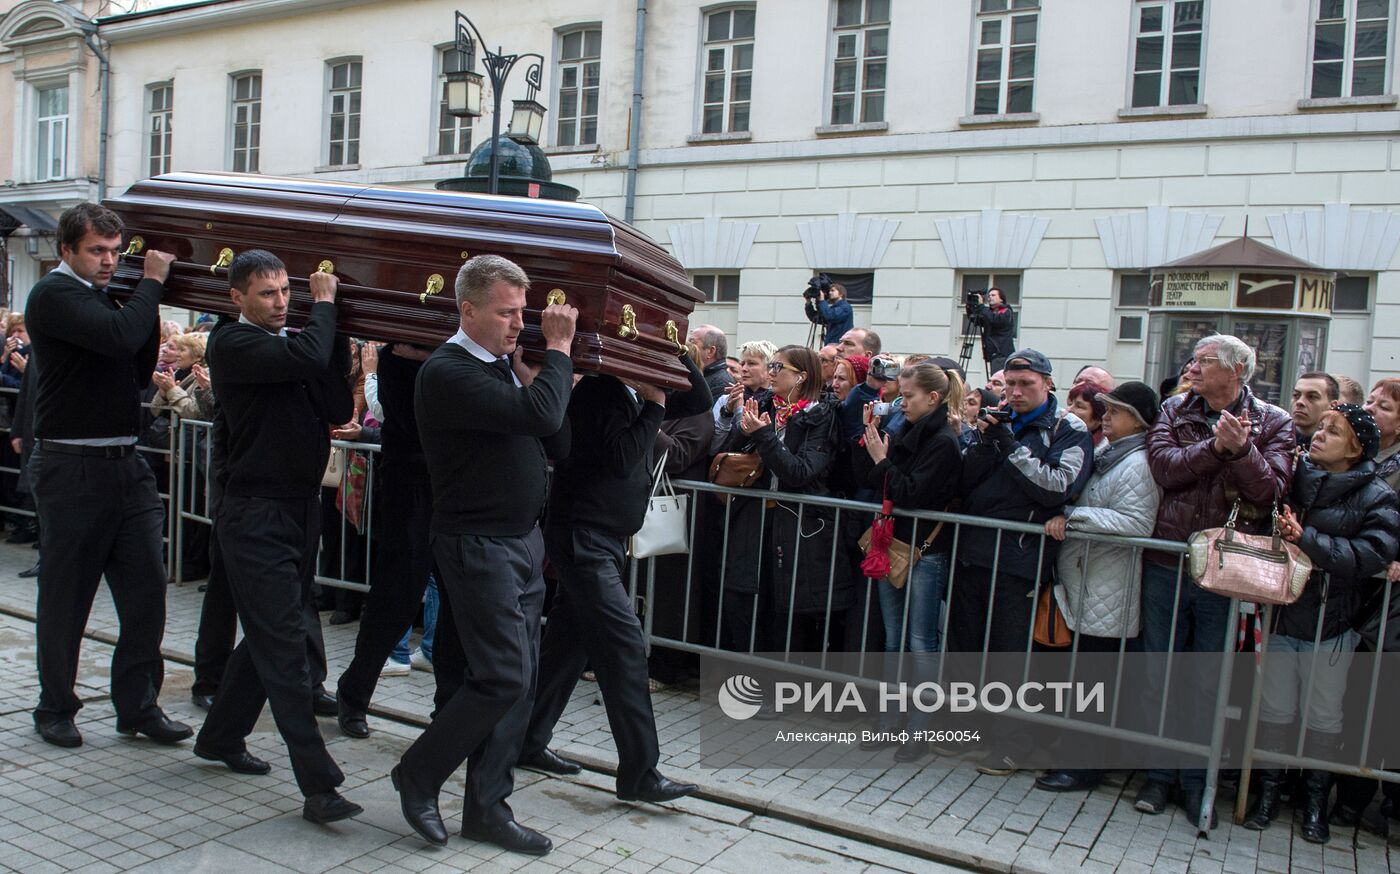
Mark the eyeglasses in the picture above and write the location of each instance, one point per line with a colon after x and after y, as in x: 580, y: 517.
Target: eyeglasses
x: 775, y: 367
x: 1200, y: 360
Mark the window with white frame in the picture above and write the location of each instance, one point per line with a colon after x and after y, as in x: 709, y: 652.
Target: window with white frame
x: 860, y: 53
x: 454, y: 134
x: 1167, y: 45
x: 579, y: 75
x: 728, y: 73
x: 1004, y: 72
x: 717, y: 287
x: 1132, y: 306
x: 246, y: 122
x: 1350, y: 48
x: 344, y: 140
x: 51, y: 133
x: 160, y: 110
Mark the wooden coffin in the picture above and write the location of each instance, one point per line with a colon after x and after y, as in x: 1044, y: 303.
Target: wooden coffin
x: 397, y: 251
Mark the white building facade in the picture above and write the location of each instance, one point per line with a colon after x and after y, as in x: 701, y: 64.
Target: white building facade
x: 1057, y: 148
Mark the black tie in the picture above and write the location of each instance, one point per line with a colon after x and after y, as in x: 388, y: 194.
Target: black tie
x: 503, y: 365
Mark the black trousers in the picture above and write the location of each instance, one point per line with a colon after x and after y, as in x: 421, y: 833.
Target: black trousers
x: 402, y: 566
x: 591, y: 622
x: 269, y: 551
x: 495, y: 587
x: 99, y: 516
x: 971, y: 599
x: 218, y: 626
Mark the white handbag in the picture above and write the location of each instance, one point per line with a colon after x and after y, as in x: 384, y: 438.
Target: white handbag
x: 663, y: 530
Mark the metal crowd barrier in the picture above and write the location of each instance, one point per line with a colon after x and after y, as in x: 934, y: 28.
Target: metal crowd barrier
x: 194, y: 446
x: 193, y: 456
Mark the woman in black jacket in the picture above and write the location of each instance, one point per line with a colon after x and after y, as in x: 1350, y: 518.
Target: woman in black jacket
x: 1347, y: 521
x: 796, y: 438
x: 918, y: 469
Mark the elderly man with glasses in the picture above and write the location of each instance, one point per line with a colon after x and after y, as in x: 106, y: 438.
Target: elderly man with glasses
x: 1212, y: 449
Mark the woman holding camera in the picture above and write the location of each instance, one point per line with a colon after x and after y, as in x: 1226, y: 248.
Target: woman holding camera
x: 785, y: 552
x: 917, y: 469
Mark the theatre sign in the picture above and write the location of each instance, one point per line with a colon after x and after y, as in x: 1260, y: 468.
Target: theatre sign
x: 1279, y: 304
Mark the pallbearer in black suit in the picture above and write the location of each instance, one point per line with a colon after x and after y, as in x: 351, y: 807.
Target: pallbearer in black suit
x: 597, y: 500
x: 99, y: 510
x: 279, y: 396
x: 488, y: 423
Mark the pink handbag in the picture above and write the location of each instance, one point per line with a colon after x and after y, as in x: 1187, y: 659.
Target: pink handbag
x: 1260, y: 568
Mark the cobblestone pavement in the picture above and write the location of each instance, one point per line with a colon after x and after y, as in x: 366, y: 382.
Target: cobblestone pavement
x: 813, y: 820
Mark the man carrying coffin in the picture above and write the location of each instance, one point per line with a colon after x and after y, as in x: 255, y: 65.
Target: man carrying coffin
x: 597, y: 500
x: 488, y: 423
x: 279, y: 396
x: 99, y: 512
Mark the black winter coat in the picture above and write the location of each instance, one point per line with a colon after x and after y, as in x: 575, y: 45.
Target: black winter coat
x: 797, y: 463
x: 921, y: 472
x: 1351, y: 528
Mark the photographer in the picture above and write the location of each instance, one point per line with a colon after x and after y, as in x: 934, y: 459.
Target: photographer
x: 997, y: 323
x: 825, y: 304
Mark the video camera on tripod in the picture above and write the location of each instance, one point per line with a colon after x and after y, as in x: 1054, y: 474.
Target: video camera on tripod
x: 817, y: 287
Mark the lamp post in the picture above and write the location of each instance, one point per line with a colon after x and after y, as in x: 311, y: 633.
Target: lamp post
x: 464, y: 91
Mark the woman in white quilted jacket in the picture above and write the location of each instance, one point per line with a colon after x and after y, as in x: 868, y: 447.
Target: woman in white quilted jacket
x: 1098, y: 585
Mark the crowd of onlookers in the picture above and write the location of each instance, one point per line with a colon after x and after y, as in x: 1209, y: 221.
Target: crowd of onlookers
x: 1112, y: 458
x: 915, y: 433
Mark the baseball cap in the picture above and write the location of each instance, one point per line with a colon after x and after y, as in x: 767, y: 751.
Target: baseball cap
x: 1029, y: 359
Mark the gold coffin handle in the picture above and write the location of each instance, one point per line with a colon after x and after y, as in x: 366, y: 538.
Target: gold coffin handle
x: 627, y: 329
x: 326, y: 266
x: 556, y: 296
x: 225, y: 259
x: 673, y: 334
x: 135, y: 246
x: 434, y: 286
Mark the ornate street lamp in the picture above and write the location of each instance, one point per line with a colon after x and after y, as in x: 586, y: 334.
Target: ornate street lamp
x: 464, y: 90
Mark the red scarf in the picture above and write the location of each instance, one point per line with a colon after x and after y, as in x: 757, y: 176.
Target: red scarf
x: 782, y: 410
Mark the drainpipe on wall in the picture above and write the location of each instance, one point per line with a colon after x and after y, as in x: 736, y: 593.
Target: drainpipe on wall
x: 103, y: 82
x: 635, y: 144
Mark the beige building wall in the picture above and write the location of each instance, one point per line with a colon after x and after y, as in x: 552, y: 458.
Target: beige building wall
x: 917, y: 187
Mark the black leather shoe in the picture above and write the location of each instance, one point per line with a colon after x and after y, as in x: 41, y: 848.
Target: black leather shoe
x: 323, y: 703
x: 158, y: 727
x: 203, y: 702
x: 550, y: 762
x: 1152, y: 797
x: 59, y: 732
x: 912, y: 750
x: 511, y: 835
x: 240, y: 763
x: 24, y: 534
x: 325, y: 807
x: 31, y: 573
x: 658, y: 790
x: 352, y: 722
x: 1063, y: 781
x: 420, y: 809
x: 1191, y: 800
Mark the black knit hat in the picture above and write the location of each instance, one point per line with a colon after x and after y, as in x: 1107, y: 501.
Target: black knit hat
x: 1136, y: 397
x: 1363, y: 425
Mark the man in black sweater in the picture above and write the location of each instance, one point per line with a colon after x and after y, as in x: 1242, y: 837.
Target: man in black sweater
x: 597, y: 500
x: 404, y: 558
x: 488, y: 424
x: 279, y: 396
x: 98, y: 506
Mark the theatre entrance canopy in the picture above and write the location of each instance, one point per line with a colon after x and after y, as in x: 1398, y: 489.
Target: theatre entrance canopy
x: 1278, y: 304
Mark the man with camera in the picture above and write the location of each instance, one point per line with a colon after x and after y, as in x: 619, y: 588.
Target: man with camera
x: 826, y: 304
x: 997, y: 324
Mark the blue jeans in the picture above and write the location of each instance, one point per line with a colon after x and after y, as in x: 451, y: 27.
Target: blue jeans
x: 928, y: 581
x: 402, y: 653
x: 1201, y: 620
